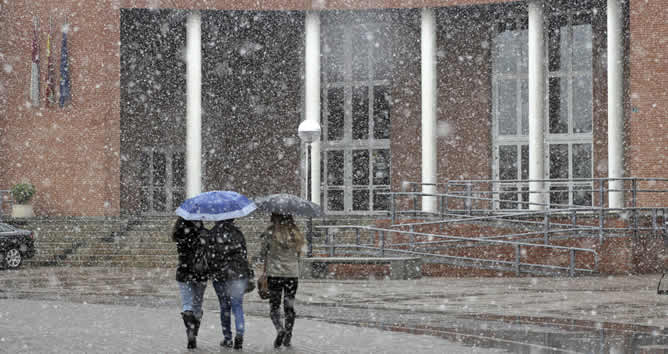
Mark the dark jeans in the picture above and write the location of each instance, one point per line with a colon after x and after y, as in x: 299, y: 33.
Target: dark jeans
x: 286, y: 288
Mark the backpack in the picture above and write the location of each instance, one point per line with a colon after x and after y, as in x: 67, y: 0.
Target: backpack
x: 201, y: 258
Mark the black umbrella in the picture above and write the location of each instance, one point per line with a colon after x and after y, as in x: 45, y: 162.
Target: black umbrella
x: 288, y: 204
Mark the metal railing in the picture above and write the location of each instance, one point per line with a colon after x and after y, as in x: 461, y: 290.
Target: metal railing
x: 374, y: 241
x: 491, y: 196
x: 479, y: 201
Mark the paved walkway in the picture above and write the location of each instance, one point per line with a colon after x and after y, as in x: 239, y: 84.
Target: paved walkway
x: 29, y: 326
x: 424, y: 306
x: 629, y: 300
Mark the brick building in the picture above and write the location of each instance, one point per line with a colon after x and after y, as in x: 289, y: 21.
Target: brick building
x: 510, y: 90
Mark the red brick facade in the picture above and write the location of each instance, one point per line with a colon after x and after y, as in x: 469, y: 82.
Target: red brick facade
x: 647, y: 116
x: 72, y: 154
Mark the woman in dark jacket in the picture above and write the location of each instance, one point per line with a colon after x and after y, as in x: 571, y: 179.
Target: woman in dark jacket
x: 230, y: 273
x: 189, y: 237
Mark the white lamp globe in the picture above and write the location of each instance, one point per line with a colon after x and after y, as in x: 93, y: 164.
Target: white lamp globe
x: 309, y: 131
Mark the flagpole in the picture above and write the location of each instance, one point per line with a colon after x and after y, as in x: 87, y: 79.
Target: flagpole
x: 50, y: 74
x: 34, y: 72
x: 65, y: 88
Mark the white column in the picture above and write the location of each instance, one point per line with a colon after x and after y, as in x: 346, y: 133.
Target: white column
x: 193, y: 106
x: 615, y: 102
x: 536, y: 104
x: 312, y: 93
x: 429, y: 87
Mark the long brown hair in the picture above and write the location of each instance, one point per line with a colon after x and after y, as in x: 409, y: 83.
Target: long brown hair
x: 286, y: 233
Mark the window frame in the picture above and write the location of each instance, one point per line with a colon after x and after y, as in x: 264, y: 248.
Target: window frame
x: 347, y: 143
x: 519, y: 139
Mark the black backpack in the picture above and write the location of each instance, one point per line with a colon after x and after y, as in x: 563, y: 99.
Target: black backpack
x: 201, y: 258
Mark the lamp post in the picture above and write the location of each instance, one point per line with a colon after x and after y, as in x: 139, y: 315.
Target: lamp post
x: 309, y: 131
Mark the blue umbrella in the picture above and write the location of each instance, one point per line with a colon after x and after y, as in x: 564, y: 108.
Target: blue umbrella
x: 215, y: 206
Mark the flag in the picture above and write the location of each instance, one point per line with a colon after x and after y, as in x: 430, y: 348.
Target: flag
x: 34, y: 73
x: 50, y: 72
x: 65, y: 95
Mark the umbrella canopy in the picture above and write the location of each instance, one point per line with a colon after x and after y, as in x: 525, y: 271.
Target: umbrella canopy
x: 288, y: 204
x: 215, y: 206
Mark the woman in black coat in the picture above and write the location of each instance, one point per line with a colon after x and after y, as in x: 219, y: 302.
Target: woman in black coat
x: 230, y: 273
x: 190, y: 236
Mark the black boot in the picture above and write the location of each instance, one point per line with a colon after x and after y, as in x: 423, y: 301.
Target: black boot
x: 197, y: 323
x: 238, y: 342
x: 192, y: 325
x: 279, y: 339
x: 287, y: 339
x: 289, y: 324
x: 227, y: 343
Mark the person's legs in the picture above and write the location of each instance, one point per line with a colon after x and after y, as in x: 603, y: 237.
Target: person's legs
x: 235, y: 292
x: 289, y: 307
x: 276, y: 285
x: 275, y: 294
x: 198, y: 289
x: 224, y: 301
x: 186, y: 291
x: 192, y: 294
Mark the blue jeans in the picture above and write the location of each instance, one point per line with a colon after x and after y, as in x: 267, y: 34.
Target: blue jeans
x: 192, y: 295
x: 231, y: 298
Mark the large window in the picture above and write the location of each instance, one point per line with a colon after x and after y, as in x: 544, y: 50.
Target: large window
x: 163, y: 178
x: 568, y: 135
x: 356, y: 118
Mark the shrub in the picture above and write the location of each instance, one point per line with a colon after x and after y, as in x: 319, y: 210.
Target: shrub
x: 23, y: 192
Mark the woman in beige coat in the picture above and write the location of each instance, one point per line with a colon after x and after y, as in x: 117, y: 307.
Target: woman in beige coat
x: 282, y: 243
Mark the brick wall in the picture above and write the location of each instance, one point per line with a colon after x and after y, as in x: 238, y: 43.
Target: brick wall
x: 647, y: 121
x: 70, y: 154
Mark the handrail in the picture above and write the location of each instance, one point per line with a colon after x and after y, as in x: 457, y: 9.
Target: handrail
x: 330, y: 242
x: 594, y: 189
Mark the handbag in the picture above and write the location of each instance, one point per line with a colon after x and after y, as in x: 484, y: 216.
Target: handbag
x: 201, y: 260
x: 251, y: 282
x: 263, y: 287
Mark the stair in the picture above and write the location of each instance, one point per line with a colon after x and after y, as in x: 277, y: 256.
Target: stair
x: 127, y: 242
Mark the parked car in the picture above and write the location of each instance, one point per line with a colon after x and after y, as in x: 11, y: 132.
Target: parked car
x: 15, y: 246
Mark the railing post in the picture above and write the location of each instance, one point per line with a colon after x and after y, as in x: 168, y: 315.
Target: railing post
x: 309, y: 239
x: 328, y: 242
x: 546, y: 228
x: 357, y: 236
x: 654, y: 223
x: 601, y: 190
x: 469, y: 202
x: 393, y: 207
x: 601, y: 225
x: 447, y: 190
x: 571, y: 267
x: 412, y: 241
x: 440, y: 206
x: 415, y: 200
x: 634, y: 192
x: 517, y: 260
x: 382, y: 243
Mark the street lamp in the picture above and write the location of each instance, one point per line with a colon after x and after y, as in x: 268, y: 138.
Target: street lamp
x: 309, y: 131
